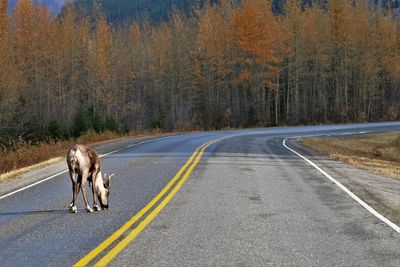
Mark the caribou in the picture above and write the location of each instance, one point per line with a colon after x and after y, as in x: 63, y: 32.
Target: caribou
x: 84, y: 166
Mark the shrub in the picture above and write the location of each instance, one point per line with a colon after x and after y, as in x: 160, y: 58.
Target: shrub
x: 111, y: 125
x: 86, y: 120
x: 82, y: 123
x: 56, y: 131
x: 158, y: 123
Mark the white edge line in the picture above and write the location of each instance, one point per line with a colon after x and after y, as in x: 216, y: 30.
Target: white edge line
x: 62, y: 172
x: 31, y: 185
x: 345, y: 189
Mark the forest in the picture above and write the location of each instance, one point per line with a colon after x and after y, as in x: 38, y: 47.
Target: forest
x: 231, y: 64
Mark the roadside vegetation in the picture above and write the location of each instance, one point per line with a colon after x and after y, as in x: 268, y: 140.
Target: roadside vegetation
x: 20, y: 156
x: 379, y: 153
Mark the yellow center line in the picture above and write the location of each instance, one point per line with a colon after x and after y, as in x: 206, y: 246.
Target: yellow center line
x: 100, y: 248
x: 131, y: 236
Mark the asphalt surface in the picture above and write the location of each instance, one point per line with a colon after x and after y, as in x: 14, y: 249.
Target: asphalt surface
x: 250, y: 201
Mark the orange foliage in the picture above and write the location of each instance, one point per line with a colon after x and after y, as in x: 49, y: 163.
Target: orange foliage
x: 233, y: 63
x: 253, y: 25
x: 135, y: 32
x: 103, y: 45
x: 3, y: 21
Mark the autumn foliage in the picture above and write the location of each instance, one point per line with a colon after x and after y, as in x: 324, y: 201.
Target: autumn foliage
x: 227, y: 65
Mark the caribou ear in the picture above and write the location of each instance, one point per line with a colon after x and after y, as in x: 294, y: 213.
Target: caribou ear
x: 107, y: 181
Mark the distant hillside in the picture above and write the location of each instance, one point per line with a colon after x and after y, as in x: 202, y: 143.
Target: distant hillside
x: 54, y: 5
x: 122, y: 12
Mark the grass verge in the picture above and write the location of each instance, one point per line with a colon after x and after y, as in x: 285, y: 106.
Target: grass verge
x: 379, y: 153
x: 31, y: 156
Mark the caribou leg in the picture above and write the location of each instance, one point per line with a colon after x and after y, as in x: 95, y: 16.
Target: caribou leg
x: 74, y: 180
x: 95, y: 206
x: 83, y: 188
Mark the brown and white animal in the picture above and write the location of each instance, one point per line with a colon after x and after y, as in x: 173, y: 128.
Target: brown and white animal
x: 84, y: 165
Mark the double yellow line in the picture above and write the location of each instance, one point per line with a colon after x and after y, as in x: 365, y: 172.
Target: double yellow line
x: 186, y: 170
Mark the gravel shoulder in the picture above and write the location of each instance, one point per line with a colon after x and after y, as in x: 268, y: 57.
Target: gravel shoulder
x: 375, y: 152
x: 379, y: 191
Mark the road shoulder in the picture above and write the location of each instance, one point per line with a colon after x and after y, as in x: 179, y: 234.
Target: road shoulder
x: 379, y: 191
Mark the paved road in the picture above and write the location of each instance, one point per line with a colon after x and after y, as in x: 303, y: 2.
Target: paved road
x: 249, y: 201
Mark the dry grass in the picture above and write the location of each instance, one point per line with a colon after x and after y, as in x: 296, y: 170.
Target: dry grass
x: 14, y: 173
x: 379, y: 153
x: 28, y: 156
x: 95, y: 138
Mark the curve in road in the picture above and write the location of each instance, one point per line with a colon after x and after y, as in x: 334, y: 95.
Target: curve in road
x: 37, y: 229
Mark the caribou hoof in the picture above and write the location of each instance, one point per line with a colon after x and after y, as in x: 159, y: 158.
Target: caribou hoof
x: 96, y: 207
x: 70, y: 205
x: 73, y: 209
x: 89, y: 209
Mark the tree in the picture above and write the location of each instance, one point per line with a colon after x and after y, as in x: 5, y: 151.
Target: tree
x: 9, y: 74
